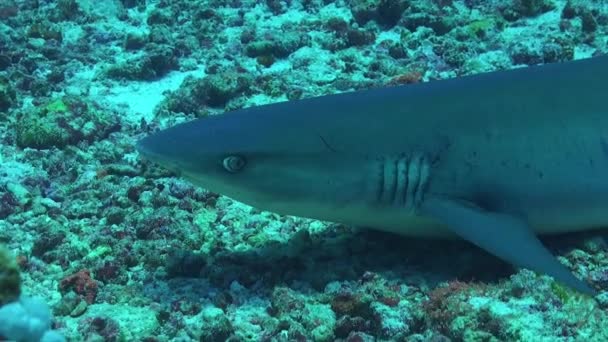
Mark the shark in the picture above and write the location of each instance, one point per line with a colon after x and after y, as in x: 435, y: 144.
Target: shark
x: 496, y: 158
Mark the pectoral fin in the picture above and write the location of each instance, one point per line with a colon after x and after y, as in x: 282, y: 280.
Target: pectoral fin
x: 502, y: 235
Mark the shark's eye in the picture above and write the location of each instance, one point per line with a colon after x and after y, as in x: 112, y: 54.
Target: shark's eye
x: 234, y: 163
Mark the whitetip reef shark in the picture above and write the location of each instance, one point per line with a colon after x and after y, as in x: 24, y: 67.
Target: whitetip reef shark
x: 494, y: 158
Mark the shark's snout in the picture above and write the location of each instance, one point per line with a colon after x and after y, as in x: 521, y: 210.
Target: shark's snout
x: 153, y: 149
x: 146, y: 148
x: 140, y: 146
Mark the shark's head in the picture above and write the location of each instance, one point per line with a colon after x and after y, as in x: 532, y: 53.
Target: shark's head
x: 258, y: 157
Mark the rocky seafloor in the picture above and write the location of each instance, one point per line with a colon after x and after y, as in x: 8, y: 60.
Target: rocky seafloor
x: 100, y: 245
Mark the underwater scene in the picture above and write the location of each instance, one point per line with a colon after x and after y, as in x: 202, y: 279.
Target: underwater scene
x: 303, y: 170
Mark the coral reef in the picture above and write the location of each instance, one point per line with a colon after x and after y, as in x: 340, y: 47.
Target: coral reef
x: 119, y: 249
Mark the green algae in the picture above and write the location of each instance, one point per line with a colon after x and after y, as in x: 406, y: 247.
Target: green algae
x: 41, y: 131
x: 562, y: 292
x: 8, y: 95
x: 10, y: 277
x: 58, y: 106
x: 479, y: 28
x: 61, y: 122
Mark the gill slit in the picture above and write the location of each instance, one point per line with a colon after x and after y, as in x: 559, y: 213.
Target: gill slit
x: 401, y: 180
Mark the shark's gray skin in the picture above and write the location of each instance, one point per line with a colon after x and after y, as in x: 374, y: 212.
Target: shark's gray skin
x: 494, y: 158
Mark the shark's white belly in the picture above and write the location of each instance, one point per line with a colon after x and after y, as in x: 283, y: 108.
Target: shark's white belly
x: 555, y: 219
